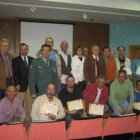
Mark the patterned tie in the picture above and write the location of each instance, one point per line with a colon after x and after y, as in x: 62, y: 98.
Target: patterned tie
x: 7, y: 67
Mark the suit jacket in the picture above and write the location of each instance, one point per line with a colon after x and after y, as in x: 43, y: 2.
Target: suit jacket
x: 2, y: 71
x: 20, y: 72
x: 89, y: 68
x: 90, y: 94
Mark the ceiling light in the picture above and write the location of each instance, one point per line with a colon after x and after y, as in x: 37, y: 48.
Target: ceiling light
x: 85, y: 16
x: 33, y: 9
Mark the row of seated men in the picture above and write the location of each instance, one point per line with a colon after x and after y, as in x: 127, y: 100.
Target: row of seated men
x: 50, y: 107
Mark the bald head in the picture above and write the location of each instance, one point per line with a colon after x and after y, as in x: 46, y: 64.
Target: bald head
x: 50, y: 91
x: 64, y: 46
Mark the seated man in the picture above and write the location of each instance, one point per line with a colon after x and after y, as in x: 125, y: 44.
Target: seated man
x: 137, y: 92
x: 71, y: 93
x: 50, y: 102
x: 120, y: 90
x: 10, y: 107
x: 97, y: 93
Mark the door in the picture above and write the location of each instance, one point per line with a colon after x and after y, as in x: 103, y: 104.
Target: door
x: 133, y: 51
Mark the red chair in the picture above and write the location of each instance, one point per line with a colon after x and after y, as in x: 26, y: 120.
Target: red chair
x: 47, y: 131
x: 85, y: 128
x: 119, y: 125
x: 137, y: 124
x: 13, y: 132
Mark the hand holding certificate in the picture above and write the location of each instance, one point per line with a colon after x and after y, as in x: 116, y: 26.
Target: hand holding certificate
x: 75, y: 105
x: 49, y: 108
x: 96, y: 109
x: 63, y: 78
x: 136, y: 105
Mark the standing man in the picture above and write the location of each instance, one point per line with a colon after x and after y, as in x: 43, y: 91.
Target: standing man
x: 5, y: 66
x: 123, y: 62
x: 85, y: 51
x: 94, y: 66
x: 135, y: 67
x: 42, y: 72
x: 54, y: 54
x: 120, y: 90
x: 65, y: 59
x: 111, y: 68
x: 21, y: 66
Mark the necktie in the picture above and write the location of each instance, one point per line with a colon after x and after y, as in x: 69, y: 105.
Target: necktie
x: 96, y: 67
x: 47, y: 62
x: 25, y: 61
x: 7, y: 67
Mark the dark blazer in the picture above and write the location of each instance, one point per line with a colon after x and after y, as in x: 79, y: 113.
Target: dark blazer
x: 89, y: 69
x: 20, y: 72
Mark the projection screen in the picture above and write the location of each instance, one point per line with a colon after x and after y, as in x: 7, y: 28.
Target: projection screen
x: 34, y: 34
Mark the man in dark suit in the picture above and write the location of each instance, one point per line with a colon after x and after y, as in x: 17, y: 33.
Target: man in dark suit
x: 21, y: 66
x: 5, y: 66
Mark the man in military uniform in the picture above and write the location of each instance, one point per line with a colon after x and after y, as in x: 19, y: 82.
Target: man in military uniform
x: 42, y: 72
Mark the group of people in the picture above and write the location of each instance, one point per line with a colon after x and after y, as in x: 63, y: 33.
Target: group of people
x: 43, y: 87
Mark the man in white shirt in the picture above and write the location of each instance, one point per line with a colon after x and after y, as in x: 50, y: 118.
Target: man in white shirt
x: 38, y: 113
x: 65, y: 60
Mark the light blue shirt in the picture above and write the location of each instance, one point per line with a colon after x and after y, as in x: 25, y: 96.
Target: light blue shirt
x: 134, y: 65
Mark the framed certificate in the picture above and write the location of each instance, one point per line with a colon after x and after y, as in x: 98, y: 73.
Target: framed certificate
x: 96, y: 109
x: 63, y: 78
x: 136, y: 105
x: 75, y: 105
x: 138, y: 70
x: 49, y: 107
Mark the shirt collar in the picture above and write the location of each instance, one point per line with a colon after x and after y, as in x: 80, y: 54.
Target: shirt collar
x: 62, y: 53
x: 96, y: 57
x: 44, y: 59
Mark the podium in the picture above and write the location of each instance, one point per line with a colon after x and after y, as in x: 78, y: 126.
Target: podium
x: 13, y: 132
x: 80, y: 129
x: 47, y: 131
x: 119, y: 125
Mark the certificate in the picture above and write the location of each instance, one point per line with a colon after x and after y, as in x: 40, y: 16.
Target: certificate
x: 75, y: 105
x: 77, y: 72
x: 136, y: 105
x: 49, y: 107
x: 63, y: 78
x: 128, y: 71
x: 138, y: 70
x: 96, y: 109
